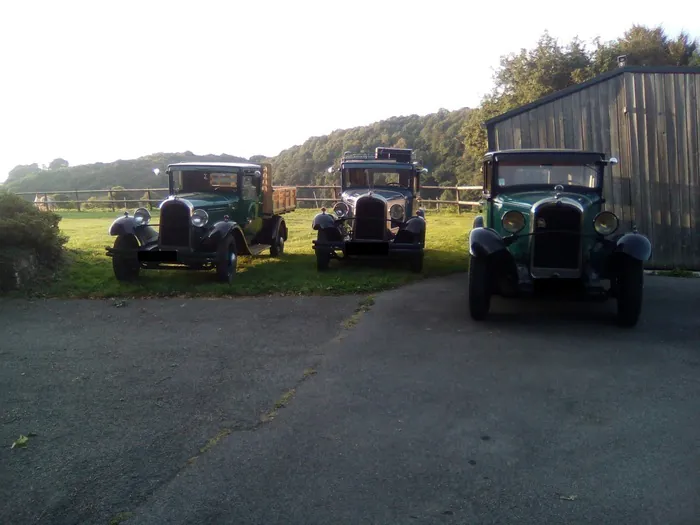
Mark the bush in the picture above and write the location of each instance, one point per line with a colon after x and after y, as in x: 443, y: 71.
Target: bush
x: 30, y: 241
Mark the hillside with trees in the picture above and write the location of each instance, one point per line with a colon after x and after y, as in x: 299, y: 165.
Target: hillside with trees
x: 450, y: 143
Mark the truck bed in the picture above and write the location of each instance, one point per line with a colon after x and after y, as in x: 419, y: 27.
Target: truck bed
x: 284, y: 199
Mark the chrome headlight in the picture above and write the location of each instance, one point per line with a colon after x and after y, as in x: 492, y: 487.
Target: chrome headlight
x: 200, y: 218
x: 142, y: 216
x: 605, y: 223
x: 396, y: 212
x: 513, y: 221
x: 341, y: 209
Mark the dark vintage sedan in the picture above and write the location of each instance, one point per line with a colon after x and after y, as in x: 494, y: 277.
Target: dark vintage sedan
x: 544, y: 226
x: 377, y: 214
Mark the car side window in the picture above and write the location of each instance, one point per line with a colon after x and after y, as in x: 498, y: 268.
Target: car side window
x: 488, y: 176
x: 250, y: 190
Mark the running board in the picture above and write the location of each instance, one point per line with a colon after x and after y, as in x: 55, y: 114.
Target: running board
x: 257, y: 249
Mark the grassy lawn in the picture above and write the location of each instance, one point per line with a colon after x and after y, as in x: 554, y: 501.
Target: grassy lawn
x: 89, y: 271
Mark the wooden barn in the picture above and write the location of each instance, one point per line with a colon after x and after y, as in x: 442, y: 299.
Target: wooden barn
x: 647, y: 117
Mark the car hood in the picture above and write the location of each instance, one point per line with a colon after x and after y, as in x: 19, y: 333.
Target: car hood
x: 525, y: 199
x: 207, y: 200
x: 351, y: 196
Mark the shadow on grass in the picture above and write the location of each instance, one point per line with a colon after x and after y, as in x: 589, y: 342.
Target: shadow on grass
x: 88, y: 274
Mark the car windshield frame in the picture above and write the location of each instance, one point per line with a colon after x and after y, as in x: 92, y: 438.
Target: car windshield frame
x: 190, y: 175
x: 569, y: 175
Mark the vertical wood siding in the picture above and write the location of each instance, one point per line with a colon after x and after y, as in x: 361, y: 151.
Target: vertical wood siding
x: 651, y: 123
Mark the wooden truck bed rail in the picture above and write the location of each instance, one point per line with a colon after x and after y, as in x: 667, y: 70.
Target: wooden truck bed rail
x: 284, y: 199
x: 276, y: 201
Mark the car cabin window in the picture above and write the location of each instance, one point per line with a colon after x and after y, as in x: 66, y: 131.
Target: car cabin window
x: 487, y: 170
x: 250, y: 189
x: 574, y: 175
x: 192, y: 181
x: 362, y: 177
x: 224, y: 180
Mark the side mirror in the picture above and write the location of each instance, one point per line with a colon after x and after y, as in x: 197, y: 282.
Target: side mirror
x: 156, y: 171
x: 257, y: 174
x: 612, y: 160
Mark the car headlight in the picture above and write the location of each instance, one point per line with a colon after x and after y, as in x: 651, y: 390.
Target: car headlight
x: 396, y: 212
x: 341, y: 209
x: 199, y: 218
x: 605, y: 223
x: 142, y: 216
x: 513, y: 221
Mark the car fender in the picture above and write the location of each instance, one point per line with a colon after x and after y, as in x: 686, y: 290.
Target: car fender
x: 484, y: 242
x: 415, y: 225
x: 127, y: 226
x: 221, y: 229
x: 323, y: 221
x: 635, y: 245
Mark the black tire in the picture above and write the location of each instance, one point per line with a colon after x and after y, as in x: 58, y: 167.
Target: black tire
x: 416, y: 262
x: 277, y: 248
x: 323, y: 256
x: 226, y: 260
x: 630, y: 286
x: 479, y: 288
x: 126, y: 267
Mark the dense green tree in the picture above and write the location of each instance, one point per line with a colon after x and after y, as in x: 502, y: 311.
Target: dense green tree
x: 58, y: 163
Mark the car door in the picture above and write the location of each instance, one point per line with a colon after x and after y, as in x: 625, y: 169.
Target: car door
x: 252, y: 205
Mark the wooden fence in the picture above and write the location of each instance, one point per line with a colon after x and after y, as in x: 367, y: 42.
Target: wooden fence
x: 307, y: 197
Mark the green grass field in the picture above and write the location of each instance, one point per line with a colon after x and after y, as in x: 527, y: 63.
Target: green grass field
x: 88, y: 271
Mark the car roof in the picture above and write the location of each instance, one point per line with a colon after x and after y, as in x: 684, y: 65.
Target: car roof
x: 577, y: 155
x: 213, y: 165
x: 378, y: 163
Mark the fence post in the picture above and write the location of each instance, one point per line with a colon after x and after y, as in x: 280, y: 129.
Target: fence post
x: 77, y: 200
x: 150, y: 204
x: 111, y: 199
x: 459, y: 208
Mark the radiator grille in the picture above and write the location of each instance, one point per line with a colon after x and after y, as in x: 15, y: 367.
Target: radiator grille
x: 370, y: 218
x: 174, y: 224
x: 557, y: 243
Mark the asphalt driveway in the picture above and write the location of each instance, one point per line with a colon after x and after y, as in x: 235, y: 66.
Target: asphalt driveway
x: 546, y: 413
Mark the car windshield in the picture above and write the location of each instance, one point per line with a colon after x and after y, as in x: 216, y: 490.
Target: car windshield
x: 582, y: 175
x: 373, y: 177
x: 196, y: 180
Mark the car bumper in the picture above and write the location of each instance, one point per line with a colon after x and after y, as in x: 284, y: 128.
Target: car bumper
x: 368, y: 248
x: 150, y: 256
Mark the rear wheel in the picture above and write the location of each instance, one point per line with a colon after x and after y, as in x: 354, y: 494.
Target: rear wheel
x: 277, y: 248
x: 126, y: 266
x: 630, y: 285
x: 226, y: 260
x: 323, y: 255
x: 479, y: 288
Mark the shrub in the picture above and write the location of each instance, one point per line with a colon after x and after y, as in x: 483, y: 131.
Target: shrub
x: 28, y: 237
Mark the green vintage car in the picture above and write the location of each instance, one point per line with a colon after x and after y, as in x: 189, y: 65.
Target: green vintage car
x: 215, y: 212
x: 543, y: 228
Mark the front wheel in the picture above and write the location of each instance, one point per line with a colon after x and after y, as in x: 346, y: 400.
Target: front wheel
x: 323, y: 255
x: 630, y: 285
x: 226, y: 260
x: 479, y: 288
x: 416, y: 262
x: 126, y: 265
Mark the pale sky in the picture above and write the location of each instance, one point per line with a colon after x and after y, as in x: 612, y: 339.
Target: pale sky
x: 93, y: 81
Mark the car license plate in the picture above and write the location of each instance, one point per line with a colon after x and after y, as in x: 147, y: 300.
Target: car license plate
x: 367, y: 248
x: 158, y: 256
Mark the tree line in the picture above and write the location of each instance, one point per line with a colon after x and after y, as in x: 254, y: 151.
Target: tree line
x: 449, y: 143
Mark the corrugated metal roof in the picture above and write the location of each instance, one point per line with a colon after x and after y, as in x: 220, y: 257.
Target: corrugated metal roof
x: 583, y: 85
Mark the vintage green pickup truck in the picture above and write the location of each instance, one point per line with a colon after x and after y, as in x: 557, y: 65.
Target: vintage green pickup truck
x: 214, y: 213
